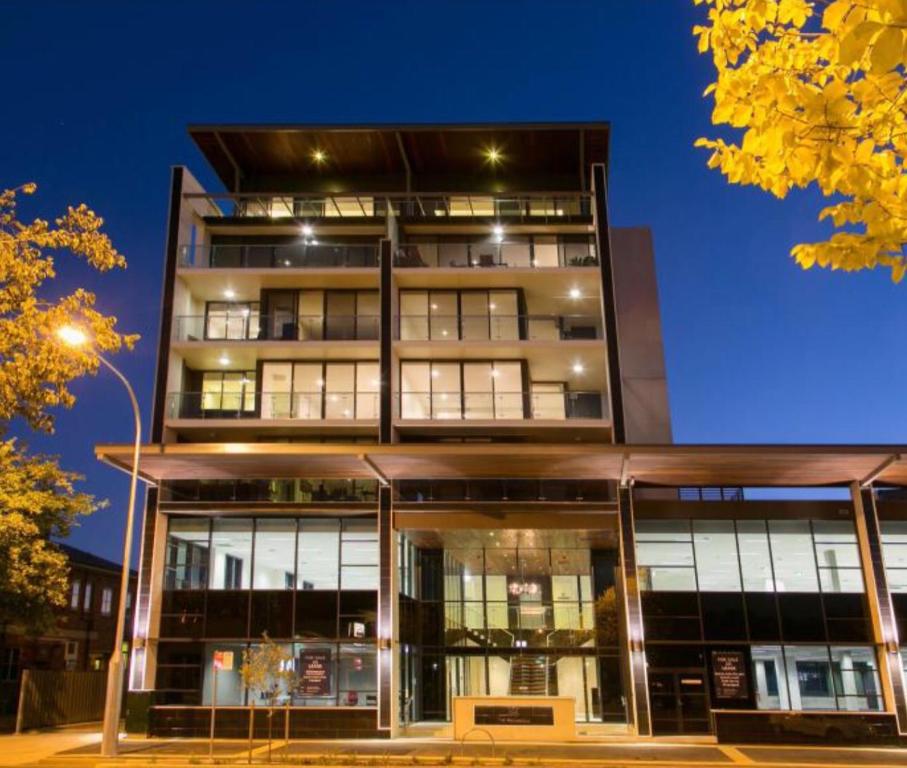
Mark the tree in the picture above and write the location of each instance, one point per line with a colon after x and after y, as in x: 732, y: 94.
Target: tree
x: 38, y: 499
x: 266, y: 672
x: 819, y: 91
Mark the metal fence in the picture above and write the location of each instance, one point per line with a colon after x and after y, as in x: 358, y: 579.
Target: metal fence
x: 59, y: 697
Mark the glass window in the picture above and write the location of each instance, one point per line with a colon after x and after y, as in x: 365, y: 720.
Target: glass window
x: 359, y: 555
x: 442, y: 314
x: 664, y: 553
x: 793, y: 556
x: 231, y: 553
x: 445, y: 391
x: 894, y: 552
x: 186, y: 563
x: 415, y: 390
x: 755, y: 556
x: 74, y: 594
x: 716, y: 555
x: 809, y: 677
x: 340, y: 388
x: 770, y: 680
x: 316, y: 675
x: 838, y: 556
x: 474, y: 318
x: 86, y: 603
x: 413, y: 315
x: 856, y: 678
x: 275, y: 554
x: 319, y: 554
x: 357, y: 676
x: 106, y: 601
x: 368, y: 389
x: 230, y: 688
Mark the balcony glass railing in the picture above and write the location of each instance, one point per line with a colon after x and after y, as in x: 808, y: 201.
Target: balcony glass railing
x: 534, y: 206
x: 498, y: 327
x: 465, y: 406
x: 495, y: 255
x: 300, y: 406
x: 503, y: 490
x: 243, y: 326
x: 279, y: 255
x: 278, y: 490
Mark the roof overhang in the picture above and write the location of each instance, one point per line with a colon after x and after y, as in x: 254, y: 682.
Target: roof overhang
x: 663, y: 465
x: 387, y: 158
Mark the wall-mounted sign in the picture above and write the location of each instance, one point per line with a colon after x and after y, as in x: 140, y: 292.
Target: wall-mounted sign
x: 314, y: 673
x: 729, y: 675
x: 485, y: 715
x: 223, y: 660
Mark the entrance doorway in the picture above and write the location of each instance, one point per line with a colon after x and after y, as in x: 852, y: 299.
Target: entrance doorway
x: 680, y: 702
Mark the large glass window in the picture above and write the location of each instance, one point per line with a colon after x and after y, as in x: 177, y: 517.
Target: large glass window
x: 231, y: 553
x: 894, y: 551
x: 317, y: 390
x: 186, y: 562
x: 319, y: 554
x: 752, y: 555
x: 230, y: 392
x: 275, y: 554
x: 816, y: 677
x: 232, y: 320
x: 359, y: 555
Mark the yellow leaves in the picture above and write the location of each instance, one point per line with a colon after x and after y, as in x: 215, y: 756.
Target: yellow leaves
x: 887, y: 49
x: 826, y: 108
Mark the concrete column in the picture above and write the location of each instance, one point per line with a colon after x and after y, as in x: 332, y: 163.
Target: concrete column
x: 884, y: 628
x: 638, y: 691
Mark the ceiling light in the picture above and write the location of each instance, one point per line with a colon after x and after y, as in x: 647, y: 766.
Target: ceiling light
x: 575, y: 293
x: 495, y: 373
x: 319, y: 383
x: 319, y: 156
x: 578, y: 368
x: 435, y: 374
x: 229, y: 293
x: 307, y: 230
x: 223, y: 360
x: 492, y: 306
x: 434, y: 306
x: 493, y: 155
x: 498, y: 230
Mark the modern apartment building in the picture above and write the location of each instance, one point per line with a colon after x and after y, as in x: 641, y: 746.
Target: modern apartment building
x: 411, y: 422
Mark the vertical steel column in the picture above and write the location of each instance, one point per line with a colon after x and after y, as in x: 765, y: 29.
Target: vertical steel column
x: 387, y: 704
x: 608, y: 298
x: 884, y: 627
x: 638, y: 695
x: 385, y: 296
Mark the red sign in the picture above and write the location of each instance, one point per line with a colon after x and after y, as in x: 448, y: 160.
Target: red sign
x: 223, y: 660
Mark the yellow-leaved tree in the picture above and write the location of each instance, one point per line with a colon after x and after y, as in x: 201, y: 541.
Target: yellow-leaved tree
x: 38, y: 499
x: 819, y: 91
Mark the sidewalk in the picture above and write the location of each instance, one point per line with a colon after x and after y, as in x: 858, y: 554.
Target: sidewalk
x: 33, y: 746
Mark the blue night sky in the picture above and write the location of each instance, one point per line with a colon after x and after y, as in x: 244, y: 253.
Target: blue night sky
x: 99, y: 95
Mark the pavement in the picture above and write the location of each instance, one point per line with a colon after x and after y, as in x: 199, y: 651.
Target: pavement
x: 79, y: 747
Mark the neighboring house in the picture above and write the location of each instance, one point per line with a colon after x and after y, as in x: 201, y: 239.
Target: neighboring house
x: 82, y: 635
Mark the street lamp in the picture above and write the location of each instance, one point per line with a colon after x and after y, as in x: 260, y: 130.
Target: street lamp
x: 75, y: 337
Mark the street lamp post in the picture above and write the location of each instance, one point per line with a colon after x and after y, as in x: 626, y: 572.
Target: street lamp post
x: 110, y: 733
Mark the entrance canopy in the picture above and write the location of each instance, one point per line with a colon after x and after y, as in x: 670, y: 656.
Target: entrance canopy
x: 665, y: 465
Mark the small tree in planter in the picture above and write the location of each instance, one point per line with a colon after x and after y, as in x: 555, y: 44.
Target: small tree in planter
x: 265, y: 670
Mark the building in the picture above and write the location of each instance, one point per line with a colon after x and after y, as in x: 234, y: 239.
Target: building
x: 82, y: 635
x: 411, y: 420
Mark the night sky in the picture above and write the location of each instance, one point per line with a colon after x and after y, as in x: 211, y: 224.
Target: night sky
x: 99, y: 94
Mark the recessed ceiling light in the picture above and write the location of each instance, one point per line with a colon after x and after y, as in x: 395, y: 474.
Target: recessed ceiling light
x: 492, y: 306
x: 498, y: 230
x: 435, y: 373
x: 307, y: 230
x: 229, y: 293
x: 575, y: 293
x: 319, y: 156
x: 578, y: 368
x: 223, y: 360
x: 493, y: 155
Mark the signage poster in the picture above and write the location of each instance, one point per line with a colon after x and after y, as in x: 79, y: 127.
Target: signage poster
x: 314, y: 673
x: 223, y: 660
x: 729, y: 675
x: 515, y: 715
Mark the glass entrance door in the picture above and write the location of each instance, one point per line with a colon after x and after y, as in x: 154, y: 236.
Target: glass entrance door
x: 679, y: 702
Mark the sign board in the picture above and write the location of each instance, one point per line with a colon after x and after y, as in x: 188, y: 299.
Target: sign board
x: 223, y: 660
x: 489, y: 715
x: 729, y: 675
x: 314, y: 673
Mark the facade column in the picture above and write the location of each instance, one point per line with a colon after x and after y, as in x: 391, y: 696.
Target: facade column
x: 608, y: 299
x: 881, y: 612
x: 638, y: 684
x: 388, y: 715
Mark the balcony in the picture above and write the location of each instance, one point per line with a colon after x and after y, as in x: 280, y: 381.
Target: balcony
x: 278, y: 407
x: 535, y: 207
x: 301, y: 255
x: 250, y: 326
x: 488, y: 327
x: 501, y: 406
x: 494, y: 255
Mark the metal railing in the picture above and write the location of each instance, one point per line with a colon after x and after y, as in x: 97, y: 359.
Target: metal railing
x: 513, y: 489
x: 300, y: 406
x: 498, y: 327
x: 250, y: 326
x: 464, y: 406
x: 710, y: 494
x: 301, y: 255
x: 298, y: 491
x: 495, y: 254
x: 535, y: 206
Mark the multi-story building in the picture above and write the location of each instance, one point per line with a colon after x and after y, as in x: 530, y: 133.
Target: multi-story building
x: 411, y: 421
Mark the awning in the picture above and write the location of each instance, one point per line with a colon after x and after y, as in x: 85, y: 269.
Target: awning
x: 665, y: 465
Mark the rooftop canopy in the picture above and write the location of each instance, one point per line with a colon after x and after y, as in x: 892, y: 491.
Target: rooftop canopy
x: 664, y: 465
x: 402, y: 158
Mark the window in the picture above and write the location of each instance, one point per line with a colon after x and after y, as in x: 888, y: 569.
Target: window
x: 229, y: 391
x: 86, y: 602
x: 664, y: 552
x: 275, y: 554
x: 318, y: 560
x: 793, y: 556
x: 106, y: 601
x: 314, y: 391
x: 894, y: 552
x: 186, y: 562
x: 359, y: 555
x: 838, y: 556
x: 816, y: 677
x: 477, y: 315
x: 716, y: 548
x: 74, y: 594
x: 231, y: 554
x: 232, y: 320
